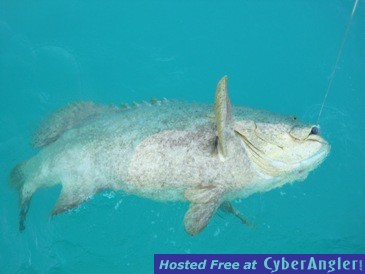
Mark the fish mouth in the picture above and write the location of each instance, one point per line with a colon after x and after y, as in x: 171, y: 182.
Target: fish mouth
x: 318, y: 157
x: 301, y: 169
x: 277, y: 168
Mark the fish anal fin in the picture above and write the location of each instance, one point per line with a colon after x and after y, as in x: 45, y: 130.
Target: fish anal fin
x: 204, y: 202
x: 223, y: 116
x: 71, y: 197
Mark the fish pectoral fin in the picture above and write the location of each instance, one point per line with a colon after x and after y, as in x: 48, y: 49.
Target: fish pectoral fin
x: 223, y: 117
x: 204, y: 202
x: 227, y: 207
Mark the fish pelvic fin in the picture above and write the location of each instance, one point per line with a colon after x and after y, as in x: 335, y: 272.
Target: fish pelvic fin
x: 204, y: 202
x: 228, y: 208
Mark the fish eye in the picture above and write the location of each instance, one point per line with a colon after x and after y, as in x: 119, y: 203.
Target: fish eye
x: 315, y: 130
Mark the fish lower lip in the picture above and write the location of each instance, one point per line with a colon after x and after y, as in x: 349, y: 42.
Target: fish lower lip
x: 320, y: 155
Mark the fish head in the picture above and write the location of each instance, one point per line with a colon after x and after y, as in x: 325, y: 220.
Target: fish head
x: 282, y: 147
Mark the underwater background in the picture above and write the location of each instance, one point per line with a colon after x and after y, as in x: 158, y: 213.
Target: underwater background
x: 278, y: 55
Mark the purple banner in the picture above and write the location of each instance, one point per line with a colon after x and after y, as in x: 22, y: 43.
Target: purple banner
x: 259, y: 263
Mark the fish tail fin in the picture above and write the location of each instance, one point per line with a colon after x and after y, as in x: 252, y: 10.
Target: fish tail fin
x: 19, y: 179
x: 16, y: 179
x: 26, y: 178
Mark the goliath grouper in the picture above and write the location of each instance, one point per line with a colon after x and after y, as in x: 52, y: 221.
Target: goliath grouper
x: 168, y: 151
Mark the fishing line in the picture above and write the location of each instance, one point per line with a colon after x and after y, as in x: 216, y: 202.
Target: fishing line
x: 332, y: 76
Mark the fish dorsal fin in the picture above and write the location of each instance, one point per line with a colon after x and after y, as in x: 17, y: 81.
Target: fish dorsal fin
x: 66, y: 118
x: 223, y: 116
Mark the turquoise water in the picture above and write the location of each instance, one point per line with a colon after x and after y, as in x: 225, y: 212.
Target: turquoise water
x: 278, y: 56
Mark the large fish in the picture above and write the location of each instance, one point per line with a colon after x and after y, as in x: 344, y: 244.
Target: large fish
x: 168, y: 151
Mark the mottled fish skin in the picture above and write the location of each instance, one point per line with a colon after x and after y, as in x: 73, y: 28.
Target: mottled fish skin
x: 169, y: 151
